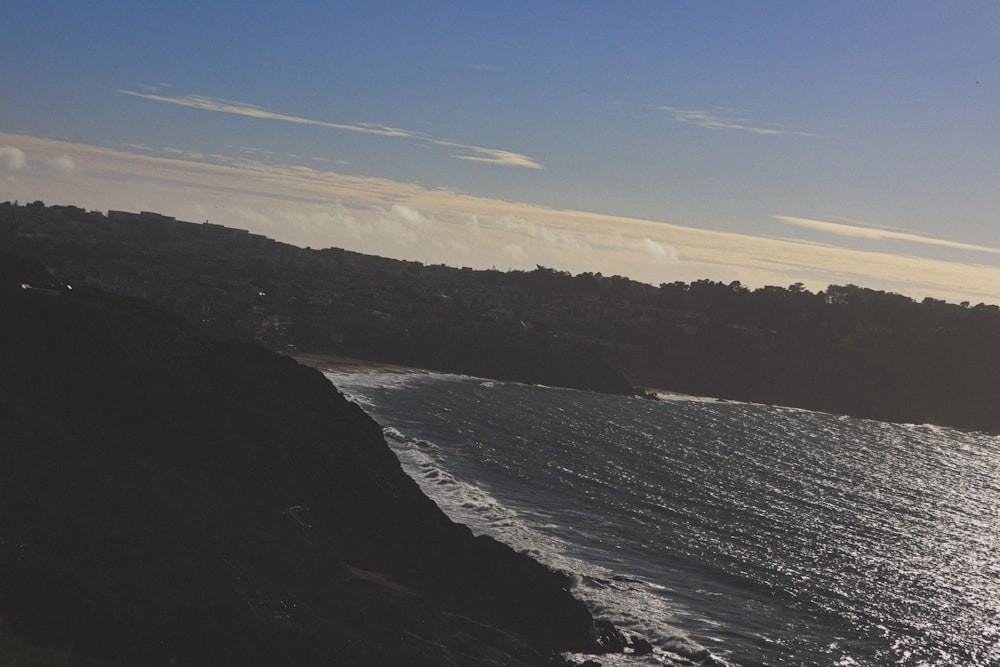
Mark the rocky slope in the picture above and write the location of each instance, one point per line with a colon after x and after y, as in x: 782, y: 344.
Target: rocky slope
x: 168, y: 499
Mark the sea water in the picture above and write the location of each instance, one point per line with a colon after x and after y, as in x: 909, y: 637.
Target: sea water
x: 724, y: 533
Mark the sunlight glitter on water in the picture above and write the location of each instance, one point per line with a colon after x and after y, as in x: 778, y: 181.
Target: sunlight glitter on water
x: 775, y: 536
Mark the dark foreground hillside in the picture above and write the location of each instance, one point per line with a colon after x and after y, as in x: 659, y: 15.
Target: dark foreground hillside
x: 167, y: 499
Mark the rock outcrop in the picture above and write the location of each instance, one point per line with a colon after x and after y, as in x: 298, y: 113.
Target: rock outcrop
x: 169, y: 499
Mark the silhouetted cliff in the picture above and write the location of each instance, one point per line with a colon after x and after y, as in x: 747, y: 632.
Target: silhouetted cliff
x: 169, y: 499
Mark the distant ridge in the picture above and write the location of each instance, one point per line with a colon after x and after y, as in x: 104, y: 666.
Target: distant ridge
x: 846, y: 349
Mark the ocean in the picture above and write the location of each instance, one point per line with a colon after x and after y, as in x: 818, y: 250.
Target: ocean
x: 724, y: 533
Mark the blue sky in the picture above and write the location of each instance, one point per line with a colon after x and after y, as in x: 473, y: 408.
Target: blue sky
x: 767, y: 142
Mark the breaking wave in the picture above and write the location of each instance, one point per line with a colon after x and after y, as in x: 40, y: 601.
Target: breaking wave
x: 722, y: 532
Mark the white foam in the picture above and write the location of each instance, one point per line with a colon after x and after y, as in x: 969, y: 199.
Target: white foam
x: 635, y: 606
x: 688, y: 398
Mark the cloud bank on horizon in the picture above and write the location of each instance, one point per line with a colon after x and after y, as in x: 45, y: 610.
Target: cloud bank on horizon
x: 316, y: 208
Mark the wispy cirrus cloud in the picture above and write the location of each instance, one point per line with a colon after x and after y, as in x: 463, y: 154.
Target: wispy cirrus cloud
x: 493, y: 156
x: 466, y: 151
x: 877, y: 234
x: 725, y: 118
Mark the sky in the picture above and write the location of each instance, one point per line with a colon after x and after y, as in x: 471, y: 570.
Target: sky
x: 767, y: 142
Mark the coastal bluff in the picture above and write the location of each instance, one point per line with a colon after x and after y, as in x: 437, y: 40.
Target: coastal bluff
x: 167, y: 498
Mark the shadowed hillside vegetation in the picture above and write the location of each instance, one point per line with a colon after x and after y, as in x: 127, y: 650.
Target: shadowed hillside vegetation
x: 846, y: 349
x: 168, y: 498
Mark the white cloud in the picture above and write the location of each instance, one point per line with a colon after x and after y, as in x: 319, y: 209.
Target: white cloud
x: 541, y: 232
x: 403, y: 227
x: 409, y: 215
x: 495, y: 156
x: 478, y: 153
x: 12, y: 158
x: 659, y: 252
x: 64, y: 164
x: 724, y: 118
x: 877, y: 234
x: 356, y: 229
x: 304, y: 226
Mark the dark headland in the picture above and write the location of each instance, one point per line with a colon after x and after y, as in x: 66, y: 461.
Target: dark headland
x: 167, y: 498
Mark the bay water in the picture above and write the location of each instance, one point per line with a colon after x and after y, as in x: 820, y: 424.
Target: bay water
x: 724, y: 533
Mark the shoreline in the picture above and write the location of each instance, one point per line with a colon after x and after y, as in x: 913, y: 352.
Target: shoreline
x: 333, y: 362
